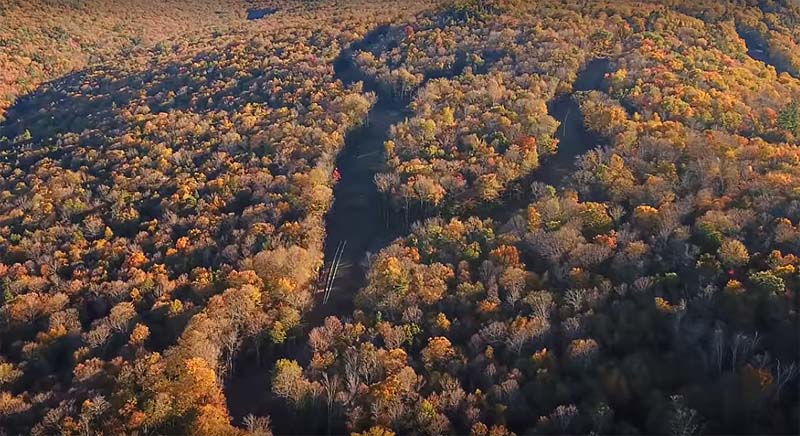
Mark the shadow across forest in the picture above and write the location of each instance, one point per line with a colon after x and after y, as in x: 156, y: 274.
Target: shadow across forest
x: 89, y: 101
x: 71, y: 104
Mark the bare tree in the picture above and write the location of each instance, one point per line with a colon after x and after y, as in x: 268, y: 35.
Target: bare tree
x: 783, y: 374
x: 684, y: 420
x: 257, y: 425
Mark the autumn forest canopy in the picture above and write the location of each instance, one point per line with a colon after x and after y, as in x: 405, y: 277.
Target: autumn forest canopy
x: 493, y: 218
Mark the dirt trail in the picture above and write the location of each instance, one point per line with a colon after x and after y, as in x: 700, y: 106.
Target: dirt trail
x: 573, y: 138
x: 357, y: 217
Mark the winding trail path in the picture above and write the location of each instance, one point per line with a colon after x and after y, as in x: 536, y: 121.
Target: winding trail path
x: 358, y: 217
x: 573, y: 138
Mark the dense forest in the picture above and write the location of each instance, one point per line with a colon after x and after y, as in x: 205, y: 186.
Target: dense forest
x: 556, y: 217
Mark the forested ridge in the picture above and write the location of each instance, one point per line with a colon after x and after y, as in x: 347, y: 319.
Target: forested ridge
x: 598, y: 205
